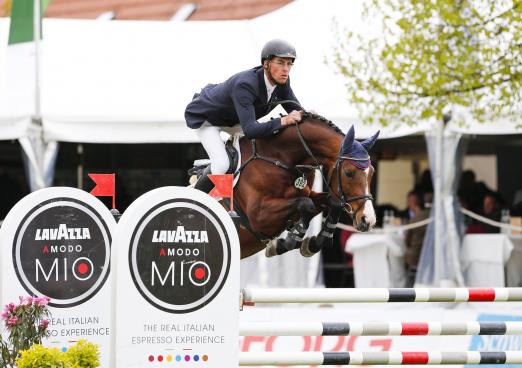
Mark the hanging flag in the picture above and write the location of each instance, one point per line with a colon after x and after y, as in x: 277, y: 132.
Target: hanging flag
x: 23, y: 58
x: 22, y: 20
x: 224, y: 187
x: 105, y: 186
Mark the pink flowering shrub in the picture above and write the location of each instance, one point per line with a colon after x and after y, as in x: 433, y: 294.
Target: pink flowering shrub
x: 26, y: 324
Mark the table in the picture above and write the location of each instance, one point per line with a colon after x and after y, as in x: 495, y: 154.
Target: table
x: 484, y: 257
x: 487, y: 260
x: 378, y: 259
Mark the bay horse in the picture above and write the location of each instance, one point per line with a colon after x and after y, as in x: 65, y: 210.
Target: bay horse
x: 274, y: 192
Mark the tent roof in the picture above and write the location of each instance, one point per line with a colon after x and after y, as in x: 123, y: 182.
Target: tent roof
x: 160, y: 9
x: 129, y: 81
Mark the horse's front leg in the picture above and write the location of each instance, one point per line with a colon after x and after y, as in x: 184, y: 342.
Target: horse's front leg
x: 307, y: 210
x: 325, y: 238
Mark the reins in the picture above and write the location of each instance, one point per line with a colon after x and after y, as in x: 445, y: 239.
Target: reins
x: 345, y: 201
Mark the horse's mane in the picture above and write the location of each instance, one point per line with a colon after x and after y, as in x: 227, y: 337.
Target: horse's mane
x: 308, y: 115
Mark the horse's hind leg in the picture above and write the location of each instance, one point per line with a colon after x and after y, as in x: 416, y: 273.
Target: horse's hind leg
x: 306, y: 209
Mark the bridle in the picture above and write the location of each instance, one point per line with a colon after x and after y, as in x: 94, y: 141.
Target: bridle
x: 345, y: 201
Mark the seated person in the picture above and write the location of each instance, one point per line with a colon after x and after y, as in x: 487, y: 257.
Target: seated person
x: 491, y: 209
x: 414, y: 201
x: 414, y: 237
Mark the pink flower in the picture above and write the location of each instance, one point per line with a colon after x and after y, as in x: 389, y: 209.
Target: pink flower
x: 42, y: 302
x: 26, y: 300
x: 12, y: 321
x: 8, y: 309
x: 43, y: 324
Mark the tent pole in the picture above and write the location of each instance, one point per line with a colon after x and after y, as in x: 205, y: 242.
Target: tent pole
x: 36, y: 34
x: 438, y: 204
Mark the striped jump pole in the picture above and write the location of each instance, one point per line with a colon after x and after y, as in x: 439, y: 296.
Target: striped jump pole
x: 378, y: 328
x: 381, y: 358
x: 380, y: 295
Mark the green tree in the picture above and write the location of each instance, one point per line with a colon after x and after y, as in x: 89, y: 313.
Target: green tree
x: 433, y: 55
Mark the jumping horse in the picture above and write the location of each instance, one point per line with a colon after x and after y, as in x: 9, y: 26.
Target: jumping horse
x: 274, y: 192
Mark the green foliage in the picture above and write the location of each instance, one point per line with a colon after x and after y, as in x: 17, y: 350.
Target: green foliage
x: 26, y: 324
x: 41, y: 357
x: 83, y: 355
x: 433, y: 55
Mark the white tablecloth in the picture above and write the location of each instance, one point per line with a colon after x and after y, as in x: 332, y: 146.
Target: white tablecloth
x: 378, y: 259
x: 514, y: 263
x: 484, y: 257
x: 488, y: 260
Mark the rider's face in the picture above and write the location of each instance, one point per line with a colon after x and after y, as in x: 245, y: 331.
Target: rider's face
x: 280, y: 68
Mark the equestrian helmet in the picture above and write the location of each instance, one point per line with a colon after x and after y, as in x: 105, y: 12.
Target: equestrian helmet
x: 278, y: 48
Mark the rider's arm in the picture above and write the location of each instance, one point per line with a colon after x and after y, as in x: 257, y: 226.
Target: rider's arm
x: 243, y: 98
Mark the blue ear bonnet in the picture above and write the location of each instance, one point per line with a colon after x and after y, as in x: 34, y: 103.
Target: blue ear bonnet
x: 357, y: 152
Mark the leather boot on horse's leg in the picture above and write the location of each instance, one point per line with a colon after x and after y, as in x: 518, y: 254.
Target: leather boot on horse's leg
x: 292, y: 241
x: 204, y: 184
x: 325, y: 238
x: 296, y: 234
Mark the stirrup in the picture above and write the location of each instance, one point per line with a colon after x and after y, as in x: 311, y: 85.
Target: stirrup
x: 204, y: 183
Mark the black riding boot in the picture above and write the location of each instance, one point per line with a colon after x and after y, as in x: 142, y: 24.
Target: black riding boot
x: 204, y: 184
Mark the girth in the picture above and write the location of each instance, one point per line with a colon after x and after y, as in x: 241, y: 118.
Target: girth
x: 243, y: 219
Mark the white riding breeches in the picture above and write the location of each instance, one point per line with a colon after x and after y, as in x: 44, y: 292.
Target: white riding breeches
x: 215, y: 147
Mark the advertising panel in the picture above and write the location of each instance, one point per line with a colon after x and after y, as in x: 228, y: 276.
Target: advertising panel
x: 177, y: 277
x: 56, y: 242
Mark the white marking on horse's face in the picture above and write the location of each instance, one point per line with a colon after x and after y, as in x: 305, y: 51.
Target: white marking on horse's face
x: 369, y: 212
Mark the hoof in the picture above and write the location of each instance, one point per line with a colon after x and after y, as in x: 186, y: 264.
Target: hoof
x: 305, y: 250
x: 281, y: 246
x: 271, y: 249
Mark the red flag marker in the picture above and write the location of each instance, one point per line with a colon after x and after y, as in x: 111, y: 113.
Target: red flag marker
x: 224, y: 187
x: 105, y: 186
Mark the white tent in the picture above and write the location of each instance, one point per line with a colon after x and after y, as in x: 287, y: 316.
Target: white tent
x: 129, y: 81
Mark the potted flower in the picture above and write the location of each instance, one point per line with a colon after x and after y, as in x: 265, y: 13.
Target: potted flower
x: 26, y: 324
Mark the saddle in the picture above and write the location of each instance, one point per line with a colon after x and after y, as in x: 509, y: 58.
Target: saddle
x: 234, y: 155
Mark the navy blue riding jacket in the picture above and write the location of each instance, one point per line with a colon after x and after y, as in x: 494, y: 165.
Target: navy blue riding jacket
x: 242, y: 99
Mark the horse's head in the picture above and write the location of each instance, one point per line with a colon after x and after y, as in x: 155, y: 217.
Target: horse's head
x: 351, y: 180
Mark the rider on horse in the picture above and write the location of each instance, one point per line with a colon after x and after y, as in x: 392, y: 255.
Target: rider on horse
x: 236, y: 104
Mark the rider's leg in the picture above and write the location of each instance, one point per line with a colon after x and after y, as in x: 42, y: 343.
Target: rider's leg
x: 213, y: 144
